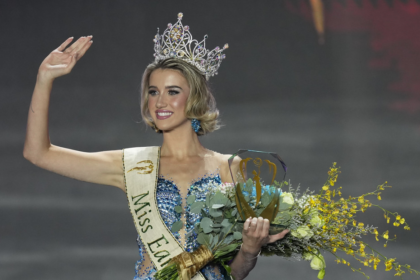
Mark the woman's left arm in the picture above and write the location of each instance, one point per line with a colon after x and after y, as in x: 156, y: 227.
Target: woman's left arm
x: 254, y: 236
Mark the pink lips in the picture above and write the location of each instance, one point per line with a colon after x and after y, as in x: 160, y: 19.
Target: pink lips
x: 163, y: 114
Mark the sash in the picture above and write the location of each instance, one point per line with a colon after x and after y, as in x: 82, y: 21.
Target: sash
x: 141, y: 169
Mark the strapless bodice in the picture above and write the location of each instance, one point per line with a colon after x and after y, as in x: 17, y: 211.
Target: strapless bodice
x: 168, y: 197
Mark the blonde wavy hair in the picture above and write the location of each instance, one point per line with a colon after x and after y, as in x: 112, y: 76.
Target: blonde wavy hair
x: 201, y: 104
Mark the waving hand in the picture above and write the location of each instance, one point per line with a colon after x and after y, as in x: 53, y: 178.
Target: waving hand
x: 62, y: 60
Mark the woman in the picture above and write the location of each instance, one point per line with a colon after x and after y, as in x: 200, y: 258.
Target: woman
x: 176, y: 101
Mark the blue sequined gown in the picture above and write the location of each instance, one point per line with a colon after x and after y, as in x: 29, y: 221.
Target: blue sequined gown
x: 168, y: 196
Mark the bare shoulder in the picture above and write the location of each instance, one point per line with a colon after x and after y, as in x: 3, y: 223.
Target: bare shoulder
x: 225, y: 170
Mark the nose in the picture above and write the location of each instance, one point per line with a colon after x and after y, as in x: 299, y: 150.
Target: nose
x: 161, y: 102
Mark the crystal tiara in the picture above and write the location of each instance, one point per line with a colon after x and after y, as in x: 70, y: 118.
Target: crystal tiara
x: 176, y: 41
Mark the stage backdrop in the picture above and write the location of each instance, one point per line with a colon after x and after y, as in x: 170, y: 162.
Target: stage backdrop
x: 354, y: 100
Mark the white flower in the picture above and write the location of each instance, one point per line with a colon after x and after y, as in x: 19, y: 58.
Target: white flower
x: 225, y: 188
x: 316, y: 221
x: 318, y: 262
x: 287, y: 198
x: 307, y: 256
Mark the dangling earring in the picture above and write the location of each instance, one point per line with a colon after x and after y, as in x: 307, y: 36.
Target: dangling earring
x: 196, y: 125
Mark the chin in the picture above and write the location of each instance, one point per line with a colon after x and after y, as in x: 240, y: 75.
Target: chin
x: 168, y: 127
x: 165, y: 128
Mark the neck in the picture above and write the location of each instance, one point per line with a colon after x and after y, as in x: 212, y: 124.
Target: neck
x: 181, y: 143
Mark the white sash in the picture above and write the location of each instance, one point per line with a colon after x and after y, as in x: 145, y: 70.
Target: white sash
x: 141, y: 169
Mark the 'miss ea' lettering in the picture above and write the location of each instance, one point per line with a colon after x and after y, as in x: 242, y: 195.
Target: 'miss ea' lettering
x: 138, y: 206
x: 162, y: 253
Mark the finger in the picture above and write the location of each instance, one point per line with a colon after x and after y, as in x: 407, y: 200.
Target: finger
x: 64, y: 44
x: 75, y: 46
x: 84, y: 49
x: 246, y: 224
x: 253, y: 225
x: 278, y: 236
x: 266, y: 227
x: 260, y: 224
x: 82, y: 44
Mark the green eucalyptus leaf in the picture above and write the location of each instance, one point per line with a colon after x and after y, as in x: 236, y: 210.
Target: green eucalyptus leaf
x: 207, y: 229
x: 177, y: 226
x: 217, y: 206
x: 219, y: 198
x: 237, y: 235
x: 234, y: 212
x: 228, y: 239
x: 215, y: 241
x: 218, y: 219
x: 191, y: 199
x: 221, y: 235
x: 238, y: 227
x: 196, y: 207
x: 215, y: 213
x: 197, y: 226
x: 203, y: 239
x: 205, y: 222
x: 178, y: 209
x: 216, y: 230
x: 216, y: 225
x: 227, y: 230
x: 226, y: 223
x: 265, y: 199
x: 206, y: 225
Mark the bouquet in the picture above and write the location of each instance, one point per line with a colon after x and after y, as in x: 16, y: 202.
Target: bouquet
x: 323, y: 222
x: 218, y: 233
x: 326, y: 222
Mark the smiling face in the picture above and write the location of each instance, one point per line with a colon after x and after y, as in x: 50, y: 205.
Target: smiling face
x: 168, y: 94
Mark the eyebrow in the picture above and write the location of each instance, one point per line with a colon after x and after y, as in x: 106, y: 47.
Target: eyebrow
x: 168, y: 87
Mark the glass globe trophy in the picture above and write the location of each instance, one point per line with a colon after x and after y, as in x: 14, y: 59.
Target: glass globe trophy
x: 257, y: 183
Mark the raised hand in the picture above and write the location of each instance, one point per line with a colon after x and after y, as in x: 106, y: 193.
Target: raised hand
x: 61, y: 60
x: 255, y: 235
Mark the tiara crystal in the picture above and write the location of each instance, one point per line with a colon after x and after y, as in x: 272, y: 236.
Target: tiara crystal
x: 177, y: 42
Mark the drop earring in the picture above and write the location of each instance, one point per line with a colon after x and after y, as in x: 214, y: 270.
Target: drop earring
x: 196, y: 125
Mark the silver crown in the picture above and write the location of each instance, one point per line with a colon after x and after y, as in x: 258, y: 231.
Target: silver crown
x: 176, y: 41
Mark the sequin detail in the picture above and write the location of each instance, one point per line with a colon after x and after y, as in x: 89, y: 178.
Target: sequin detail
x: 143, y: 273
x: 168, y: 196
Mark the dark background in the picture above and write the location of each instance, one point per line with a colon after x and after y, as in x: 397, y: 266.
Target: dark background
x: 354, y: 100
